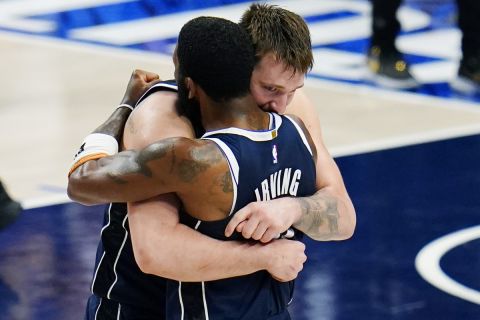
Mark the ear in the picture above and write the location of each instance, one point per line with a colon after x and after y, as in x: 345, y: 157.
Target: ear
x: 192, y: 87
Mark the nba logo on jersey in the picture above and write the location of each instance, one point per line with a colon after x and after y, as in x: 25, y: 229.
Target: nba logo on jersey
x: 275, y: 154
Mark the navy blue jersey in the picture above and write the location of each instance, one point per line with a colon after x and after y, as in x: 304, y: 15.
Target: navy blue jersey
x: 264, y: 165
x: 117, y: 276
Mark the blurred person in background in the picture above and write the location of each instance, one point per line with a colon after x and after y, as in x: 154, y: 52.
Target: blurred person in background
x: 9, y: 208
x: 388, y: 65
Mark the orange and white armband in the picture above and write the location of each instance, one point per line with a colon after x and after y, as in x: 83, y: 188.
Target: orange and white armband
x: 94, y: 146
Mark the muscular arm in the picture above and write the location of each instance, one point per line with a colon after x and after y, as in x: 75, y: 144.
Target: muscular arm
x: 167, y: 248
x: 329, y: 213
x: 126, y: 176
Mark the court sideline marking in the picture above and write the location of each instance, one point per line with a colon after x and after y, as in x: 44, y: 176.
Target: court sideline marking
x: 427, y: 263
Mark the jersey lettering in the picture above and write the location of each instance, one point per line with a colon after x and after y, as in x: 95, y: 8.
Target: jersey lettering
x: 280, y: 183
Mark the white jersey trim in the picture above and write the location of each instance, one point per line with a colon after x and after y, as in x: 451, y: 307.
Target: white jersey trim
x: 266, y: 135
x: 205, y: 307
x: 103, y: 255
x: 301, y: 133
x: 118, y: 257
x: 271, y: 123
x: 182, y: 310
x: 96, y: 271
x: 233, y: 165
x: 162, y: 85
x: 119, y: 311
x: 204, y: 297
x: 98, y: 308
x: 198, y: 224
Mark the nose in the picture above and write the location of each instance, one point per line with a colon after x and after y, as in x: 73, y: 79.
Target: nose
x: 279, y: 105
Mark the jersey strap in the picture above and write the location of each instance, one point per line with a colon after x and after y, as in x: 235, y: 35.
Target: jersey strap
x: 301, y: 133
x: 169, y: 85
x: 232, y: 164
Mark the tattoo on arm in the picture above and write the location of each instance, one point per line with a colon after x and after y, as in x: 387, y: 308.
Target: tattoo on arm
x: 115, y: 123
x: 226, y: 182
x: 202, y: 158
x: 117, y: 179
x: 199, y: 160
x: 133, y: 162
x: 317, y: 211
x: 189, y: 169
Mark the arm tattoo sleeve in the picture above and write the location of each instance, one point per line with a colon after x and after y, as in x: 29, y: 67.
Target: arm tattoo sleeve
x: 115, y: 123
x: 319, y: 216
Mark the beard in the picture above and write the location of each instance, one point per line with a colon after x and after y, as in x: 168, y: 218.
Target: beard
x: 189, y: 108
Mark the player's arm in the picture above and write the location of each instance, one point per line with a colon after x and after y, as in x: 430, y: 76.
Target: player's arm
x: 167, y: 248
x: 326, y: 215
x: 169, y: 165
x: 104, y: 140
x: 329, y: 213
x: 185, y: 254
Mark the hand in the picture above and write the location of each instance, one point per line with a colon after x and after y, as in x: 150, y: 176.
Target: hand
x: 265, y: 220
x: 140, y: 82
x: 286, y: 259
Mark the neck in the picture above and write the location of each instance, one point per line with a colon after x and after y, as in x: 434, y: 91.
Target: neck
x: 241, y: 113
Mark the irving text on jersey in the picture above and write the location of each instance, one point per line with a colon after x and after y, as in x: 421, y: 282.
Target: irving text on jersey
x: 282, y: 182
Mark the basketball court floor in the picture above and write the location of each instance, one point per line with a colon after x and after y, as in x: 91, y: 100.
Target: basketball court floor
x: 410, y: 159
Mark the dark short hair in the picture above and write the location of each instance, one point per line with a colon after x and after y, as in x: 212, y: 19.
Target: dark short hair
x: 218, y: 55
x: 282, y: 32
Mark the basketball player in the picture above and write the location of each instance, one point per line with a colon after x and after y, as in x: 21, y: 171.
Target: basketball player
x: 243, y: 149
x: 273, y: 87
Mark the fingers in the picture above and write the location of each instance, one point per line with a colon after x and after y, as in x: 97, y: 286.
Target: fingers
x: 268, y: 236
x: 288, y: 259
x: 241, y: 215
x: 259, y: 231
x: 150, y: 76
x: 146, y: 76
x: 240, y: 226
x: 250, y: 226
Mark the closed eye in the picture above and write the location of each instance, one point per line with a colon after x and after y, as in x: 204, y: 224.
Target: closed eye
x: 271, y: 89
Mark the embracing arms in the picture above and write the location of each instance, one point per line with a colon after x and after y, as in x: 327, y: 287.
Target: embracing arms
x: 162, y: 246
x: 329, y: 213
x: 326, y: 215
x: 165, y: 247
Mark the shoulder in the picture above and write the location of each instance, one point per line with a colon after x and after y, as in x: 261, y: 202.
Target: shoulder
x: 302, y: 107
x: 184, y: 148
x: 192, y: 163
x: 200, y: 150
x: 155, y: 118
x: 306, y: 133
x: 299, y: 122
